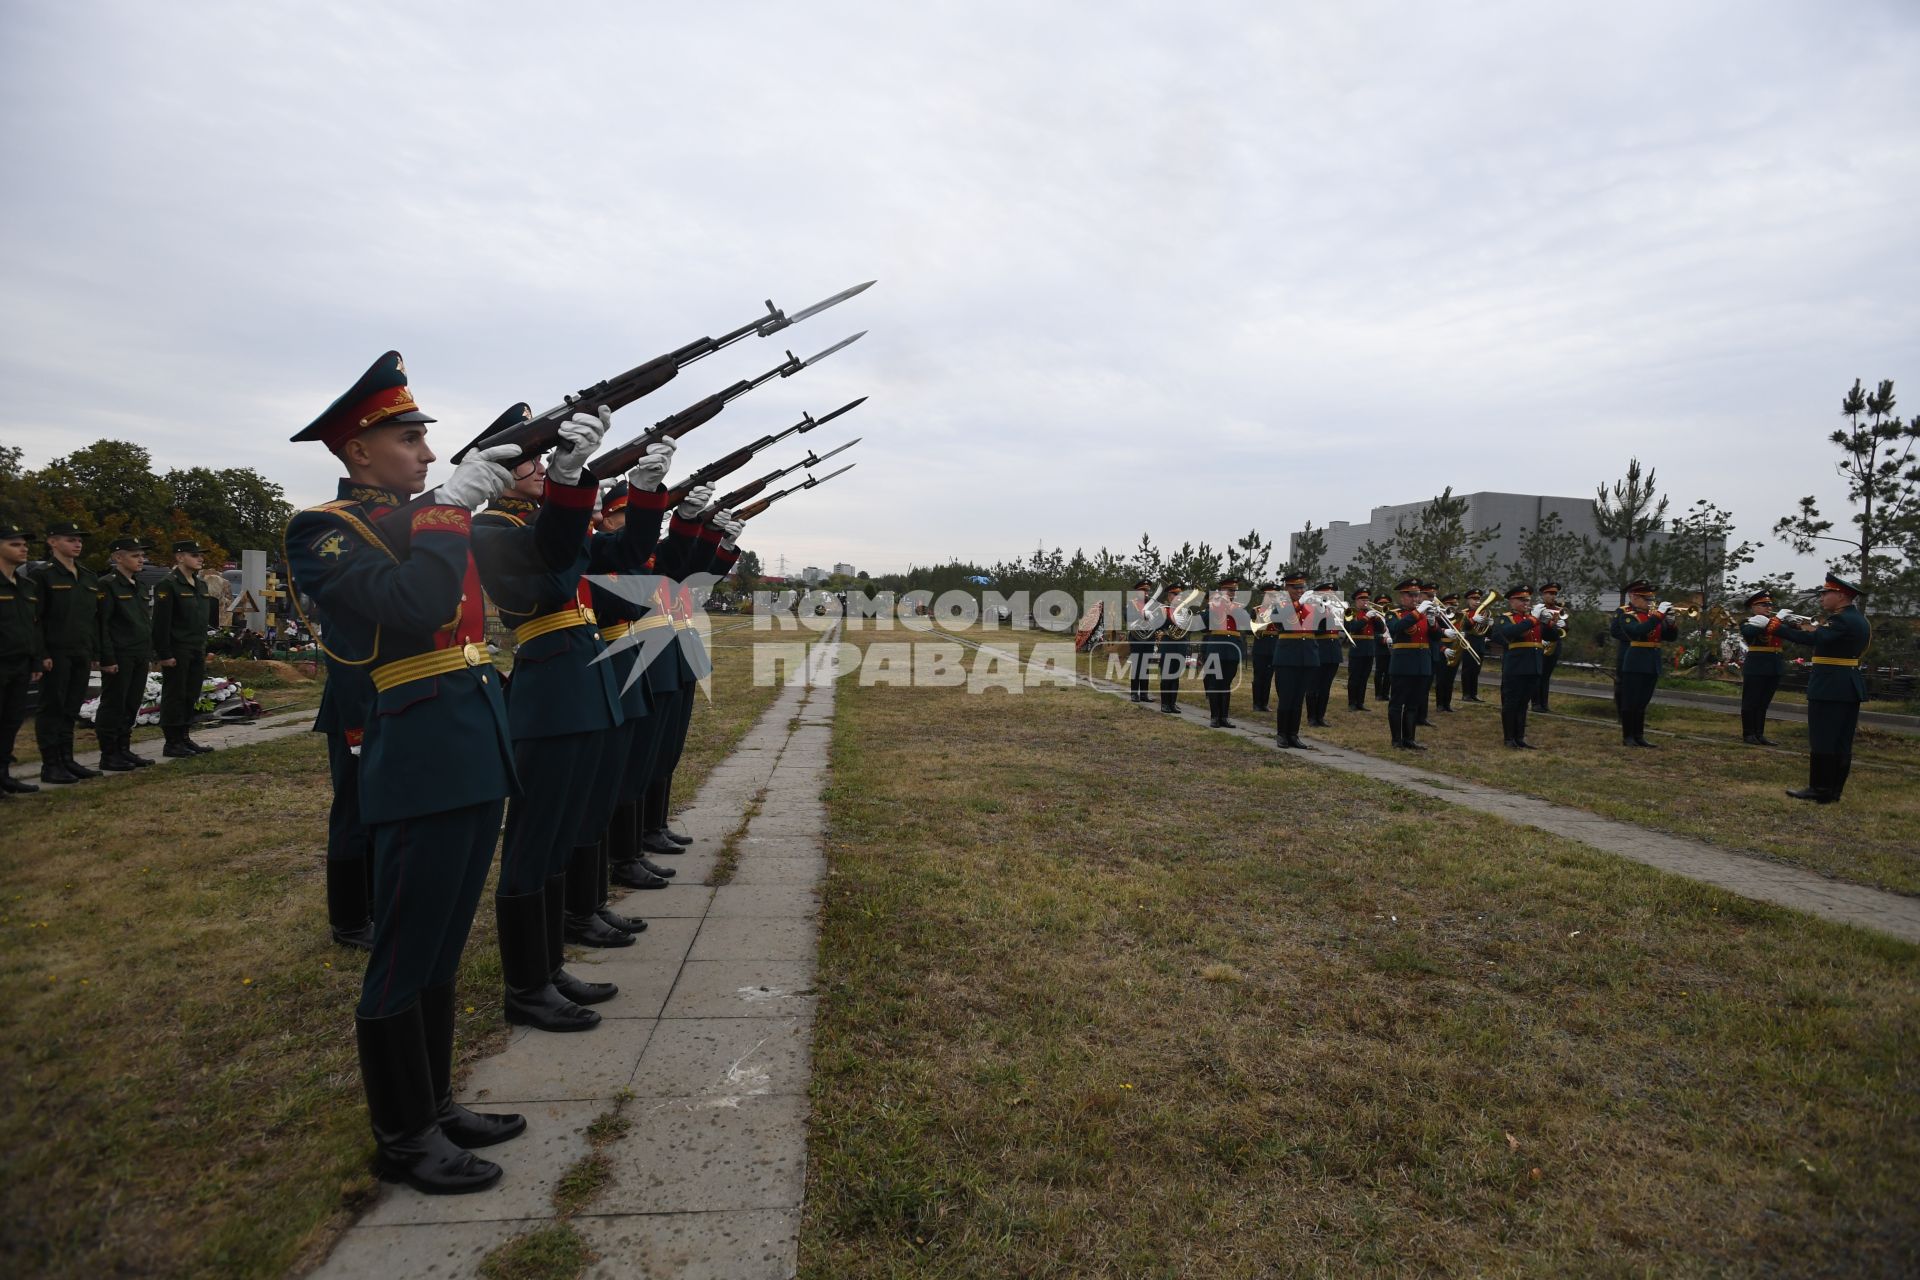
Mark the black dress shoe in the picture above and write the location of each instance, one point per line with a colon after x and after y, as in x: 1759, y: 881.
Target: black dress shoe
x: 582, y: 992
x: 634, y: 876
x: 1642, y: 742
x: 56, y: 772
x: 114, y: 762
x: 178, y: 750
x: 15, y: 786
x: 139, y: 761
x: 1764, y: 741
x: 1172, y: 711
x: 659, y: 842
x: 677, y: 838
x: 77, y: 769
x: 361, y: 938
x: 1811, y: 793
x: 1527, y: 746
x: 665, y: 873
x: 1225, y: 723
x: 1510, y: 744
x: 591, y: 931
x: 1445, y: 710
x: 1425, y: 724
x: 1469, y: 699
x: 1750, y: 739
x: 196, y: 748
x: 624, y: 923
x: 1298, y: 745
x: 1414, y: 746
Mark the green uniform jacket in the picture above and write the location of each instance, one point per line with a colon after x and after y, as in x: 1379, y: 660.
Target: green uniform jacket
x: 1763, y: 648
x: 69, y: 622
x: 1640, y: 637
x: 183, y: 612
x: 1525, y: 638
x: 19, y: 624
x: 125, y: 620
x: 1837, y: 645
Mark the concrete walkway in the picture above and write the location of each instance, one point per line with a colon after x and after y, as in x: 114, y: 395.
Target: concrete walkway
x: 1748, y: 875
x: 710, y: 1035
x: 241, y: 733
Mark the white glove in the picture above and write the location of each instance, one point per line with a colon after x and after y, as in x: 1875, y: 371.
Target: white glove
x: 651, y: 471
x: 580, y: 437
x: 1375, y: 613
x: 480, y: 477
x: 730, y: 532
x: 1665, y: 606
x: 697, y: 500
x: 1448, y: 633
x: 1758, y: 620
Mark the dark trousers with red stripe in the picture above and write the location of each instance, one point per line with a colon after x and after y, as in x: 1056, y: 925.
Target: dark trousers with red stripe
x: 556, y: 778
x: 673, y: 740
x: 1359, y: 670
x: 427, y: 878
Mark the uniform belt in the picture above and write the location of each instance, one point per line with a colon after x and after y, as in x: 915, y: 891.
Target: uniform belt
x: 1414, y: 644
x: 439, y: 662
x: 1295, y: 635
x: 1764, y: 648
x: 571, y: 616
x: 1643, y: 644
x: 1523, y: 644
x: 618, y: 629
x: 1836, y: 662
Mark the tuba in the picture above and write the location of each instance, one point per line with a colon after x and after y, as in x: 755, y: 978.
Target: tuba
x: 1185, y: 618
x: 1151, y: 616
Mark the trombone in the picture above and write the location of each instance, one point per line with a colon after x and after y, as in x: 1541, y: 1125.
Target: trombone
x: 1181, y: 620
x: 1150, y: 617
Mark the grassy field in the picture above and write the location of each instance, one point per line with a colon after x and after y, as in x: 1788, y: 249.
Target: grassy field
x: 1104, y: 995
x: 183, y: 1097
x: 1703, y: 782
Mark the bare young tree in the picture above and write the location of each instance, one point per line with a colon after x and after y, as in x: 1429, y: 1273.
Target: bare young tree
x: 1883, y: 485
x: 1626, y: 515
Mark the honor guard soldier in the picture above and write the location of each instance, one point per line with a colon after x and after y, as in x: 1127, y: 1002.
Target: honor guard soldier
x: 688, y: 549
x: 1220, y: 651
x: 1550, y: 613
x: 1368, y: 627
x: 1139, y: 652
x: 1169, y: 654
x: 69, y: 629
x: 1640, y: 629
x: 1296, y: 659
x: 1471, y: 625
x: 1411, y: 631
x: 1262, y: 650
x: 402, y: 598
x: 1835, y: 688
x: 530, y: 546
x: 125, y: 644
x: 19, y: 648
x: 184, y: 610
x: 1330, y: 610
x: 1524, y: 637
x: 1761, y: 669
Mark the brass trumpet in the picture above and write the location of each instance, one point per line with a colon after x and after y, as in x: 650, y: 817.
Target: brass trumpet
x: 1181, y: 620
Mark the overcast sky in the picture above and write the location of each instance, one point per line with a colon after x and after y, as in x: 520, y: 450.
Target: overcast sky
x: 1188, y: 269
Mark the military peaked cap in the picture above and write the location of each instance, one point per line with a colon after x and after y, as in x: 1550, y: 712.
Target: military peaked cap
x: 380, y: 398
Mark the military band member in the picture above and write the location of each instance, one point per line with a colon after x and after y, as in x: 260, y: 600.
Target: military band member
x: 1139, y: 652
x: 125, y: 644
x: 403, y: 599
x: 561, y: 704
x: 19, y: 648
x: 1550, y: 612
x: 1329, y: 610
x: 1524, y: 637
x: 1436, y: 650
x: 1640, y: 628
x: 1383, y: 648
x: 1471, y: 625
x: 183, y: 612
x: 1262, y: 650
x: 1220, y: 651
x: 1296, y: 659
x: 69, y: 629
x: 1761, y: 668
x: 1410, y: 660
x: 1444, y: 672
x: 1835, y: 688
x: 1368, y: 627
x: 1169, y: 654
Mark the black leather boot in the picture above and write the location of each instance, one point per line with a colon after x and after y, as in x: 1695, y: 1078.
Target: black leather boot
x: 53, y: 768
x: 110, y: 759
x: 177, y: 747
x: 532, y: 1000
x: 1819, y: 788
x: 14, y: 786
x: 126, y: 749
x: 347, y: 909
x: 74, y: 767
x: 624, y: 923
x: 467, y: 1128
x: 193, y: 746
x: 578, y: 990
x: 400, y: 1101
x: 661, y: 843
x: 584, y: 927
x: 636, y: 875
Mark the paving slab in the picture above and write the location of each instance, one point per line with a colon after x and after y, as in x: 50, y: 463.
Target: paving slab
x: 752, y: 1244
x: 756, y: 938
x: 556, y: 1136
x: 664, y: 941
x: 685, y: 1154
x: 440, y: 1250
x: 743, y: 989
x: 767, y: 870
x: 689, y: 899
x: 546, y: 1066
x: 765, y: 900
x: 728, y: 1057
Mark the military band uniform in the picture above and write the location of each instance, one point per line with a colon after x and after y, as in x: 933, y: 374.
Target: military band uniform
x: 125, y: 643
x: 1220, y: 654
x: 183, y: 612
x: 1410, y: 665
x: 1640, y: 636
x: 1261, y: 651
x: 1470, y: 663
x: 1367, y: 632
x: 69, y: 630
x: 1139, y: 652
x: 1760, y: 673
x: 1550, y: 655
x: 1296, y: 663
x: 1524, y: 638
x: 1440, y: 683
x: 1169, y: 656
x: 19, y: 658
x: 1835, y: 690
x: 1382, y: 652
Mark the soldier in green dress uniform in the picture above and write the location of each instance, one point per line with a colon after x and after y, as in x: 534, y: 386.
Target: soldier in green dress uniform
x: 68, y: 629
x: 19, y: 647
x: 1262, y: 649
x: 1169, y: 654
x: 1525, y: 638
x: 1761, y: 669
x: 1550, y: 612
x: 184, y: 610
x: 1368, y: 627
x: 1835, y: 689
x: 125, y: 644
x: 1640, y: 629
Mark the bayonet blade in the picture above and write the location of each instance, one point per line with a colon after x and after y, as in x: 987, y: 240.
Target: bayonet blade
x: 816, y: 359
x: 845, y: 408
x: 814, y: 480
x: 824, y: 303
x: 842, y: 449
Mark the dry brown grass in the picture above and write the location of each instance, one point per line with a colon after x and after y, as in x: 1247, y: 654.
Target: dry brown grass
x: 1109, y: 996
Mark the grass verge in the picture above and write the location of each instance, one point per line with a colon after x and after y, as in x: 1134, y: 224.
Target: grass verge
x: 552, y: 1253
x: 1107, y: 996
x: 177, y: 1030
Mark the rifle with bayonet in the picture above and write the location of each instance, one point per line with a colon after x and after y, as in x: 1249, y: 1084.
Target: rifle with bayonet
x: 753, y: 488
x: 616, y: 461
x: 748, y: 513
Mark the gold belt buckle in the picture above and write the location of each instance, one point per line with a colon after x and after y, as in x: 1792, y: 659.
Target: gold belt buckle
x: 473, y: 655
